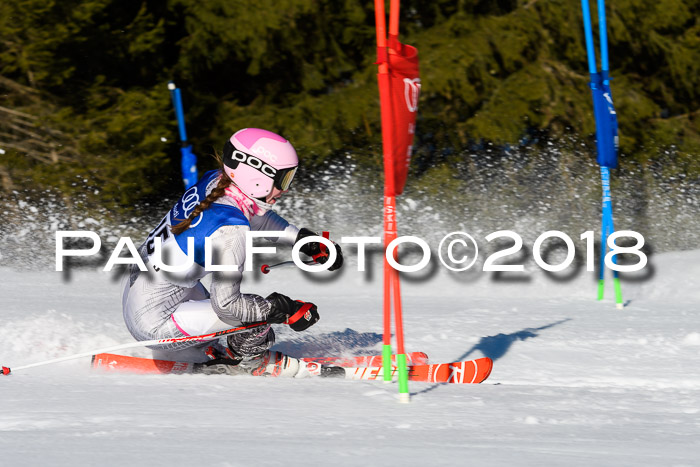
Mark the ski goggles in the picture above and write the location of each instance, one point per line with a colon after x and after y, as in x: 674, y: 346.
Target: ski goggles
x: 282, y: 178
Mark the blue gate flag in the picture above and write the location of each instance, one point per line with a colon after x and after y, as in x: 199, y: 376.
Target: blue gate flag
x: 605, y: 120
x: 605, y: 115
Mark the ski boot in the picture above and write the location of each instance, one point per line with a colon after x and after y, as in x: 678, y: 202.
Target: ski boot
x: 269, y: 363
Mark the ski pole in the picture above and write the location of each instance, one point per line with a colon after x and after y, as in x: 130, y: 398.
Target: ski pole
x: 265, y: 268
x: 172, y: 340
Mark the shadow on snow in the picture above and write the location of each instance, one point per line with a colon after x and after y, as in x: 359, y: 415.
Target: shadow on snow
x: 345, y: 343
x: 495, y: 347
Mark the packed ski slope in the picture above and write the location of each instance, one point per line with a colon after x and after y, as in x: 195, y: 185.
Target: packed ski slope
x: 575, y: 381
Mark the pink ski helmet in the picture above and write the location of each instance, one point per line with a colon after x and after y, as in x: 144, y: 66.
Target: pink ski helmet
x: 258, y: 160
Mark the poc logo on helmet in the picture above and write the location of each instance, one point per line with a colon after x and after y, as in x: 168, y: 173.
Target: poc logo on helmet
x: 254, y: 162
x: 264, y: 152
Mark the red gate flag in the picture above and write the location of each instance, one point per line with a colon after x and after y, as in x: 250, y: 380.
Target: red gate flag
x: 403, y: 91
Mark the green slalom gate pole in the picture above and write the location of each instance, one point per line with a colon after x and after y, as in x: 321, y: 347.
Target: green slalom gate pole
x: 386, y: 362
x: 404, y: 395
x: 618, y: 293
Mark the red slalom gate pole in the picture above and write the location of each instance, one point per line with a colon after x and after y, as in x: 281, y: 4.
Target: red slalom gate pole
x: 392, y: 286
x: 394, y: 19
x: 385, y: 107
x: 389, y: 235
x: 391, y: 277
x: 404, y: 395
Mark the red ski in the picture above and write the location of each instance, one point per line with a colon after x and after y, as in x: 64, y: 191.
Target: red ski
x: 468, y: 372
x: 123, y: 363
x: 113, y: 362
x: 412, y: 358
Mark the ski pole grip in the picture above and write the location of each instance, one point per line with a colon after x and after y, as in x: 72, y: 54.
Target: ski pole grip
x: 325, y: 234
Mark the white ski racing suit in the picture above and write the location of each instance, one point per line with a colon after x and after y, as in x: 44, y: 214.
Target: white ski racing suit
x: 159, y: 304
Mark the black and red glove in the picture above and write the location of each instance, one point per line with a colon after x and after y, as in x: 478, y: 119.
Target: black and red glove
x: 318, y: 250
x: 297, y: 314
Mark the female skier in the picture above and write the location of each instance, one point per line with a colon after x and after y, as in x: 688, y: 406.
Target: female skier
x: 257, y: 169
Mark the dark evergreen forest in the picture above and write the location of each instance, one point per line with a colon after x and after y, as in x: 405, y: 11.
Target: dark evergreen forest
x: 84, y: 99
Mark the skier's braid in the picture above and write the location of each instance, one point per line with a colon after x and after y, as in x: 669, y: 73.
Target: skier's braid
x: 215, y: 194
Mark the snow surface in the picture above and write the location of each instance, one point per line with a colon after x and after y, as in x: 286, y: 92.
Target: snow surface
x: 575, y: 381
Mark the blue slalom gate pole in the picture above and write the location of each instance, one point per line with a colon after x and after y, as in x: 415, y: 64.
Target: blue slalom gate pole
x: 606, y: 134
x: 608, y: 227
x: 188, y: 160
x: 603, y: 28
